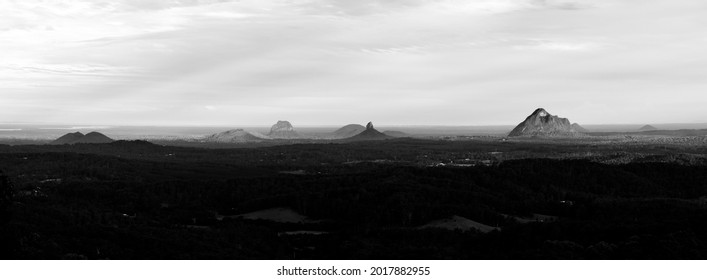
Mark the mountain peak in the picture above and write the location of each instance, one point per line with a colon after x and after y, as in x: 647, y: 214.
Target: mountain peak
x: 236, y: 136
x: 283, y: 130
x: 348, y: 131
x: 369, y: 134
x: 94, y: 133
x: 647, y: 127
x: 541, y: 112
x: 282, y: 126
x: 542, y: 123
x: 78, y: 137
x: 68, y: 138
x: 94, y: 138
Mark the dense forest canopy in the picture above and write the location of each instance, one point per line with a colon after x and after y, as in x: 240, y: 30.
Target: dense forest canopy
x: 137, y: 200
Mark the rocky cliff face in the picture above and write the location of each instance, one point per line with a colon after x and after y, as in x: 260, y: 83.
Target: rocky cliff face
x: 283, y: 130
x: 542, y: 124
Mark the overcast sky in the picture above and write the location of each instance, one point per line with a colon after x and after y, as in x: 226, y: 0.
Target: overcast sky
x: 447, y: 62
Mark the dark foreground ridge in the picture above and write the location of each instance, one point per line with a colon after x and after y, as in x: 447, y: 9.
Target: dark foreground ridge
x: 397, y: 199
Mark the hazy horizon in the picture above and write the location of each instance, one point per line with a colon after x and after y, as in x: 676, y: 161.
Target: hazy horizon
x: 82, y: 126
x: 418, y: 62
x: 122, y: 132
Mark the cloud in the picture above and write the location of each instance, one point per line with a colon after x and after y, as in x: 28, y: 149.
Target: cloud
x: 414, y: 62
x: 373, y: 7
x: 549, y: 45
x: 565, y: 5
x: 70, y: 69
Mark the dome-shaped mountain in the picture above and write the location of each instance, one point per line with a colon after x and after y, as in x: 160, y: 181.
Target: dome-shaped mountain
x: 543, y: 124
x: 94, y: 138
x: 349, y: 131
x: 647, y: 127
x: 236, y: 136
x: 369, y: 134
x: 68, y: 138
x: 283, y: 130
x: 79, y: 138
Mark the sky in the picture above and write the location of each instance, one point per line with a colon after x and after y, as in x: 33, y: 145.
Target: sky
x: 330, y: 62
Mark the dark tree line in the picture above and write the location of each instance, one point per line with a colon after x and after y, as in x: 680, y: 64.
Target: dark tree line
x: 143, y: 202
x: 6, y: 194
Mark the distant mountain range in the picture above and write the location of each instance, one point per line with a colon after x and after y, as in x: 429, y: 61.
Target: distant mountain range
x: 538, y: 124
x: 369, y: 134
x: 283, y: 130
x: 280, y: 130
x: 236, y: 136
x: 352, y: 130
x: 80, y: 138
x: 543, y: 124
x: 673, y: 133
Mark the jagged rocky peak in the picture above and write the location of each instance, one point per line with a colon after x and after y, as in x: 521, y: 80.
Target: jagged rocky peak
x: 542, y: 123
x: 369, y: 125
x: 541, y: 112
x: 283, y: 130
